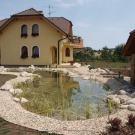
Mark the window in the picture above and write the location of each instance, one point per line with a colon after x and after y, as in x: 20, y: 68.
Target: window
x: 35, y: 52
x: 24, y: 52
x: 35, y: 30
x: 67, y: 52
x: 24, y: 31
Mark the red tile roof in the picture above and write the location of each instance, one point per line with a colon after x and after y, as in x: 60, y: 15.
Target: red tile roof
x: 3, y: 21
x: 30, y: 11
x: 61, y: 22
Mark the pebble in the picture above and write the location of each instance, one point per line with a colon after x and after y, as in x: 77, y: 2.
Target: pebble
x: 15, y: 113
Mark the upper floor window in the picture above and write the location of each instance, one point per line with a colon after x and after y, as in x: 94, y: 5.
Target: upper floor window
x: 24, y: 31
x: 67, y: 52
x: 35, y: 52
x: 24, y: 52
x: 35, y: 30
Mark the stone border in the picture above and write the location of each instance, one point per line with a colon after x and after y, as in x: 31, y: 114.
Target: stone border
x: 14, y: 113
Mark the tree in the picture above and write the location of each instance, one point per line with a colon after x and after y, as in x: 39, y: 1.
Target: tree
x: 118, y: 53
x: 105, y: 53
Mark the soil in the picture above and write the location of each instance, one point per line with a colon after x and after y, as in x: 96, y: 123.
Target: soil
x: 125, y: 130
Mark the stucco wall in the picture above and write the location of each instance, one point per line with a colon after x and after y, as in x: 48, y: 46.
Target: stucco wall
x: 11, y: 42
x: 69, y: 58
x: 132, y: 81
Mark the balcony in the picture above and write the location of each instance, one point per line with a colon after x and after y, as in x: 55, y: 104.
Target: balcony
x: 73, y: 41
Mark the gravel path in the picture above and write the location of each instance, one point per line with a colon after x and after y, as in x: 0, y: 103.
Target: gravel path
x: 13, y: 112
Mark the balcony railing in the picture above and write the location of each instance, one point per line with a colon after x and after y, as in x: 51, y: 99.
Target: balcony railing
x: 74, y: 40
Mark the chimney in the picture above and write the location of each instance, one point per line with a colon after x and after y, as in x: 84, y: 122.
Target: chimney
x: 41, y: 12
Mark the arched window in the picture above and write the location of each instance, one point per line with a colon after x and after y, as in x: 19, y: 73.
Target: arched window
x: 67, y: 52
x: 35, y: 30
x: 24, y: 52
x: 35, y: 52
x: 24, y: 31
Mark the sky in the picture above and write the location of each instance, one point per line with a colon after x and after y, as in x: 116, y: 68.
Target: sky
x: 99, y: 22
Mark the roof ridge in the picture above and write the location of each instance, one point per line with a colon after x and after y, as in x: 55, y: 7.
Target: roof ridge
x: 27, y: 10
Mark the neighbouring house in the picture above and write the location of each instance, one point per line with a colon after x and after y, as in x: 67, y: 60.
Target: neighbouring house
x: 129, y: 50
x: 29, y: 38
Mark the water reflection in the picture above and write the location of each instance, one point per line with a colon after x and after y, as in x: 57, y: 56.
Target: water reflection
x: 60, y: 96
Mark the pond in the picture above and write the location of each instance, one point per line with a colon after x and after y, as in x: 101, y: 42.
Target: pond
x: 59, y: 96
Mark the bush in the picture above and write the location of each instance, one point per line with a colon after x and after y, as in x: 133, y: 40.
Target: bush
x: 131, y: 119
x: 115, y: 123
x: 91, y: 67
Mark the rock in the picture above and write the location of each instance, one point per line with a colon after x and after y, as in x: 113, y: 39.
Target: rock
x: 128, y: 90
x: 124, y: 98
x: 6, y: 87
x: 16, y: 99
x: 132, y: 101
x: 111, y: 96
x: 122, y: 101
x: 21, y: 69
x: 124, y: 107
x: 131, y: 107
x: 24, y: 100
x: 28, y: 74
x: 12, y: 91
x: 18, y: 91
x: 124, y: 87
x: 1, y: 68
x: 23, y: 74
x: 116, y: 100
x: 122, y: 92
x: 133, y: 95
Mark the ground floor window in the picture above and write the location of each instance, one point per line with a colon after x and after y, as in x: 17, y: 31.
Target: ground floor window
x: 35, y: 52
x: 67, y: 52
x: 24, y: 52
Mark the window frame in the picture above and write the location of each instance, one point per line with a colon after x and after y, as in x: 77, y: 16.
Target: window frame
x: 23, y: 56
x: 35, y: 55
x: 35, y: 33
x: 24, y: 34
x: 67, y: 54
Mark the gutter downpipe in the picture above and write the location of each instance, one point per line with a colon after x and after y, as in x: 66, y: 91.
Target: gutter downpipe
x: 59, y: 47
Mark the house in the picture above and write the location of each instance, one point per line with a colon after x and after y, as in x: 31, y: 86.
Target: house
x: 29, y: 38
x: 129, y: 50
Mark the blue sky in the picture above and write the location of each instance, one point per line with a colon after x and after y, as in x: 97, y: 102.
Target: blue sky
x: 99, y: 22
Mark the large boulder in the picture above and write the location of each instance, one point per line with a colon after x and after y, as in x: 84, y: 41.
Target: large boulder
x: 124, y: 87
x: 132, y: 101
x: 131, y: 107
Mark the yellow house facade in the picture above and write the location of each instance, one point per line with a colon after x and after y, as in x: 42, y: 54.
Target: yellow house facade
x: 29, y: 38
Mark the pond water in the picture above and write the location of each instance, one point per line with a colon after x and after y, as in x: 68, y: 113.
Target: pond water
x: 61, y: 97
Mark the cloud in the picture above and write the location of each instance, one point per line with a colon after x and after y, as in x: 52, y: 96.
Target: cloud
x: 82, y: 24
x: 113, y: 28
x: 65, y: 5
x: 82, y: 1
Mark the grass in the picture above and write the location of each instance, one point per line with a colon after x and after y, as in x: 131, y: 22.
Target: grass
x: 103, y: 64
x: 53, y: 97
